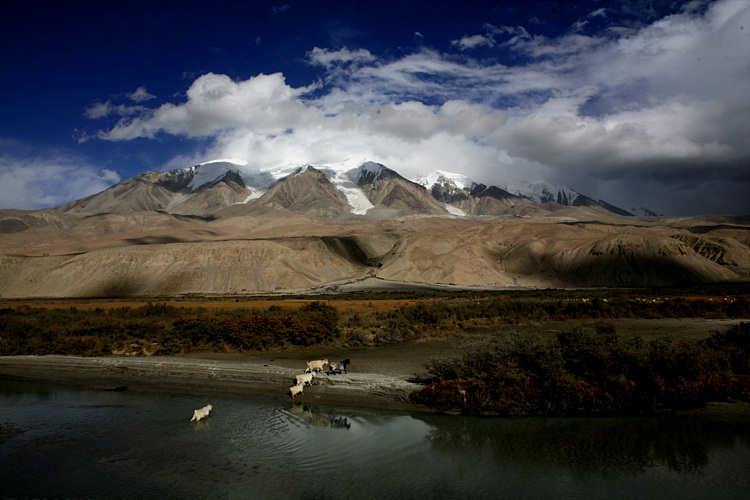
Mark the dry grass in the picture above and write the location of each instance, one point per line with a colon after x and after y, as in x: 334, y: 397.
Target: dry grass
x: 343, y: 306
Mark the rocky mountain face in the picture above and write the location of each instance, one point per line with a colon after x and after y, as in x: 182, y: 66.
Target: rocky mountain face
x: 170, y: 191
x: 334, y: 191
x: 479, y: 199
x: 387, y: 189
x: 221, y: 229
x: 307, y: 191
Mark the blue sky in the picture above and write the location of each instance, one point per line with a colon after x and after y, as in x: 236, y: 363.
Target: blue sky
x: 640, y: 103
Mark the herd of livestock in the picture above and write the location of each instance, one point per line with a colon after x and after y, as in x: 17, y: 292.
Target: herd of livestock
x: 313, y: 368
x: 306, y: 378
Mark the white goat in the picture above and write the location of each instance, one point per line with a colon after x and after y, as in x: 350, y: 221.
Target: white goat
x: 316, y: 366
x: 202, y: 413
x: 296, y: 389
x: 305, y: 378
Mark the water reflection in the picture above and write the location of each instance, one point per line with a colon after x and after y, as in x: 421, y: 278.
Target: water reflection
x: 590, y: 445
x: 201, y: 424
x: 65, y: 442
x: 319, y: 418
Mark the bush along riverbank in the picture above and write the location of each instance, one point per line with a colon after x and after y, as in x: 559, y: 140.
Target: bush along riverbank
x: 163, y: 329
x: 158, y: 329
x: 591, y: 373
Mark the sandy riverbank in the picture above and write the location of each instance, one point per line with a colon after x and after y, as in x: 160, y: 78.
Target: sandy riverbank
x: 380, y: 380
x: 209, y: 374
x: 379, y: 377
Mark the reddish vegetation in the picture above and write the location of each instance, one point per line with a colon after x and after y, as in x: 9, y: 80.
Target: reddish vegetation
x: 599, y: 373
x: 343, y: 306
x: 499, y: 370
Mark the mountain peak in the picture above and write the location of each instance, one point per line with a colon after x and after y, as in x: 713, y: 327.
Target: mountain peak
x: 210, y: 172
x: 543, y: 192
x: 370, y: 171
x: 444, y: 178
x: 307, y: 190
x: 353, y: 186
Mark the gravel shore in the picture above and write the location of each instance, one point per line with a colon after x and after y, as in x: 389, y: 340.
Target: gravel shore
x: 384, y: 384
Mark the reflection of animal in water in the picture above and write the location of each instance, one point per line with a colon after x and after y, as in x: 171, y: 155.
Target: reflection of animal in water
x: 338, y: 366
x: 296, y: 389
x: 202, y: 424
x: 307, y: 414
x: 316, y: 366
x: 312, y: 417
x: 340, y: 423
x: 305, y: 378
x: 202, y: 413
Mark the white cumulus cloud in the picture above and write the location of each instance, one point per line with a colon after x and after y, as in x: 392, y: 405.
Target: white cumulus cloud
x: 140, y: 95
x: 328, y: 58
x: 658, y: 108
x: 47, y: 178
x: 471, y: 42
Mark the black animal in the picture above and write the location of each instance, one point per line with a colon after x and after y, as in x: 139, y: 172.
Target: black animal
x: 338, y: 366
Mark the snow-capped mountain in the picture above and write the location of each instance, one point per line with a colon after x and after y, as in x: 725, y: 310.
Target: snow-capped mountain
x: 345, y: 176
x: 449, y: 180
x: 543, y: 192
x: 306, y: 191
x: 459, y: 190
x: 191, y: 191
x: 227, y: 227
x: 351, y: 187
x: 449, y: 188
x: 461, y: 195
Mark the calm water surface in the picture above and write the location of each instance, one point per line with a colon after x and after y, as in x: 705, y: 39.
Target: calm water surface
x: 57, y: 441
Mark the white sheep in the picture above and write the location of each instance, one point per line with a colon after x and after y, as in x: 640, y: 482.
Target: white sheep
x: 296, y: 389
x: 202, y: 413
x: 305, y: 378
x: 316, y: 366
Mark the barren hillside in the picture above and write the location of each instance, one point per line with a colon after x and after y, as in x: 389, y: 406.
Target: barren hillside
x: 247, y: 249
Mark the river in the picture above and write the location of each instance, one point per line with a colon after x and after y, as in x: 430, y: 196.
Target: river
x: 59, y: 441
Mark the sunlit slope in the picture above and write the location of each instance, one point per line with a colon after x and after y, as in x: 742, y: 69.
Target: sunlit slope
x: 244, y: 249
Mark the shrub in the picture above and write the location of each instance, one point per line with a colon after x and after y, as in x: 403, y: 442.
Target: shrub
x: 580, y: 372
x: 27, y: 330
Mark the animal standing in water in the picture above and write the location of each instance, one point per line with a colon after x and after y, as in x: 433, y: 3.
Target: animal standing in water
x: 295, y: 390
x: 202, y: 413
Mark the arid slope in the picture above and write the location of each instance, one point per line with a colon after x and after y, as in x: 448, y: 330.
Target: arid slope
x: 245, y: 249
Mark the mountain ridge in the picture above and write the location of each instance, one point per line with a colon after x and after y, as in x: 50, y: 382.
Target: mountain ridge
x: 367, y: 187
x: 227, y: 229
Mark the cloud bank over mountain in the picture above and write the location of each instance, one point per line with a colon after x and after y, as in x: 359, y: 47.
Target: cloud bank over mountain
x: 643, y: 114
